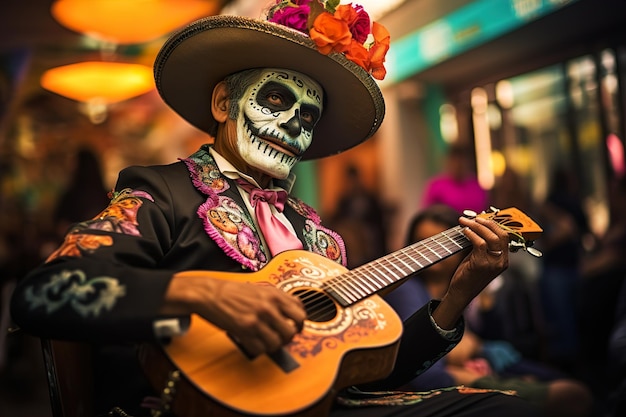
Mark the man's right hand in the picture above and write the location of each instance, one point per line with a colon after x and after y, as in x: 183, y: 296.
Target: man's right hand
x: 261, y: 318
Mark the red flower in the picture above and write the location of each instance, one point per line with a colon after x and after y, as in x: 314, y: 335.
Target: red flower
x: 357, y: 19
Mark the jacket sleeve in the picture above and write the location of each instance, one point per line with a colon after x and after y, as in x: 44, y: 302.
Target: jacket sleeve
x: 420, y: 347
x: 104, y: 284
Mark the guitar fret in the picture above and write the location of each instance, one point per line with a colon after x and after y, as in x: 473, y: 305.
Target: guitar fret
x: 430, y: 261
x: 355, y: 289
x: 366, y: 285
x: 432, y: 250
x: 376, y: 273
x: 398, y: 257
x: 367, y: 282
x: 454, y: 239
x: 336, y: 284
x: 396, y: 267
x: 382, y: 279
x: 414, y: 260
x: 349, y: 294
x: 443, y: 246
x: 375, y: 279
x: 390, y: 271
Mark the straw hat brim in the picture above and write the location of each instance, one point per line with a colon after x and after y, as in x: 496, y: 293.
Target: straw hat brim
x: 199, y: 56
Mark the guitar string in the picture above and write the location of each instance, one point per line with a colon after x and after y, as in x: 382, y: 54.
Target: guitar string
x: 437, y: 241
x: 318, y: 302
x: 428, y: 250
x: 405, y: 256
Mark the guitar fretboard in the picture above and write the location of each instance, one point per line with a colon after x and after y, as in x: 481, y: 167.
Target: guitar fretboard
x: 369, y: 278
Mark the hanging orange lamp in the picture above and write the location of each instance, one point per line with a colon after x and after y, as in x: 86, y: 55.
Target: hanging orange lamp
x: 130, y: 21
x: 106, y: 82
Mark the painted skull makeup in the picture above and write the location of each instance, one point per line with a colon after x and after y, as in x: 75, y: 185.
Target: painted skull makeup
x: 277, y: 115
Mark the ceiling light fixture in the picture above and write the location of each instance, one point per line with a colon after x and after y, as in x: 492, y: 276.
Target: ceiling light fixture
x: 109, y: 82
x: 130, y: 21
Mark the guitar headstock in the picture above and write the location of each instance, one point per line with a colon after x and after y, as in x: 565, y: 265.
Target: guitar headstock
x: 523, y: 230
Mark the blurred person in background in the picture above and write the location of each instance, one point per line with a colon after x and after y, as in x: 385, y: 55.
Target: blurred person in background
x: 457, y: 185
x: 603, y: 327
x: 565, y: 227
x: 85, y: 193
x: 477, y: 362
x: 360, y: 218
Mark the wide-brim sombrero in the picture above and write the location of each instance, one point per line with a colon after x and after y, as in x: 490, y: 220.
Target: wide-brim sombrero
x: 194, y: 59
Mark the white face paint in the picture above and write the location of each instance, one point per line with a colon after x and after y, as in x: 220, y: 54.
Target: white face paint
x: 277, y: 114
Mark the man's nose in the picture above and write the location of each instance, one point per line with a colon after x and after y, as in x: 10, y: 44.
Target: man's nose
x: 293, y: 126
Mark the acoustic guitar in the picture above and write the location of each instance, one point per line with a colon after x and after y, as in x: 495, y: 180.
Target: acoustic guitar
x: 351, y: 335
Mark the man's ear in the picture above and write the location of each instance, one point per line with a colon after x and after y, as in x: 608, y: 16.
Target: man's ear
x: 220, y: 102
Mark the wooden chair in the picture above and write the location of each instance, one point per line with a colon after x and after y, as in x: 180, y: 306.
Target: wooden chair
x: 70, y: 379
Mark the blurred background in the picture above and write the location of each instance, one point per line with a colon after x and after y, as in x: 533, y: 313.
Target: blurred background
x: 533, y: 89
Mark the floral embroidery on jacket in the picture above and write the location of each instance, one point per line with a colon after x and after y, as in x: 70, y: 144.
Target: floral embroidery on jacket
x: 231, y: 227
x: 120, y: 216
x: 86, y: 297
x: 205, y: 175
x: 233, y: 230
x: 225, y: 221
x: 324, y: 242
x: 75, y: 244
x: 304, y: 210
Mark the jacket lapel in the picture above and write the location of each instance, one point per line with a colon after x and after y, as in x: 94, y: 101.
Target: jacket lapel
x: 228, y: 223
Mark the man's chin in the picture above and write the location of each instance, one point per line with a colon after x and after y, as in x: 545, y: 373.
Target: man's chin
x: 279, y: 173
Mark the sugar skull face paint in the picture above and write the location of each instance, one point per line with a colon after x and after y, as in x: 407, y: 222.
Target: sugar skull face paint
x: 276, y: 119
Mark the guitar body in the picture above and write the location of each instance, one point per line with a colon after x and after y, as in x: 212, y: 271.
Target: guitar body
x: 339, y: 348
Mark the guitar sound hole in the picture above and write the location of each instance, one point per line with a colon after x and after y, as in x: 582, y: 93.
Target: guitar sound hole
x: 319, y: 306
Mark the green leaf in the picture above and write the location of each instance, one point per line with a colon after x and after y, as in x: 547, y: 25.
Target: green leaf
x: 331, y: 5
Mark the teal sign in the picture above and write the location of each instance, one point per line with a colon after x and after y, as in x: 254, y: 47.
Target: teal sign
x: 461, y: 30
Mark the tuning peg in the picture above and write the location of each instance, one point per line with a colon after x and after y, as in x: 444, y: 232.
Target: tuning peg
x: 470, y: 213
x: 515, y: 246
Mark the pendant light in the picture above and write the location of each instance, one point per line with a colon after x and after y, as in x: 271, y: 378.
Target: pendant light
x: 130, y: 21
x: 108, y: 82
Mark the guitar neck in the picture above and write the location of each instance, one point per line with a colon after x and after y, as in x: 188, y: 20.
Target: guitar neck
x: 372, y: 277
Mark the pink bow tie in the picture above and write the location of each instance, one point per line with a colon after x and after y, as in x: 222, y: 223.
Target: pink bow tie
x: 277, y: 236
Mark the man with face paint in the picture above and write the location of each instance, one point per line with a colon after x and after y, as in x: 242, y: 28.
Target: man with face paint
x: 274, y: 121
x: 270, y: 96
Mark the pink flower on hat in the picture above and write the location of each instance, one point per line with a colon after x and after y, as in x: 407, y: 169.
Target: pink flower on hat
x: 293, y: 17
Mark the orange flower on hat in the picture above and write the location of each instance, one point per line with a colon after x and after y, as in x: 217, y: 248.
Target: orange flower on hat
x: 358, y: 54
x: 378, y: 50
x: 372, y: 59
x: 330, y: 34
